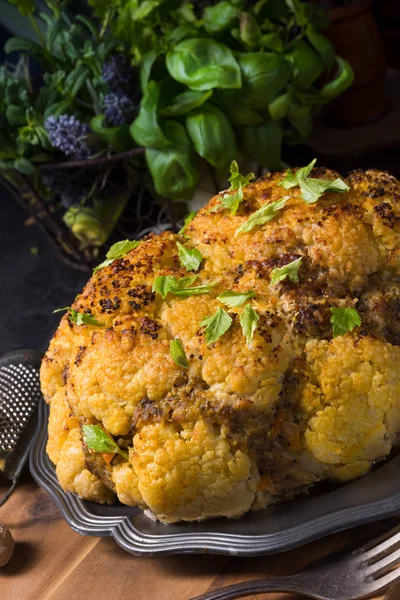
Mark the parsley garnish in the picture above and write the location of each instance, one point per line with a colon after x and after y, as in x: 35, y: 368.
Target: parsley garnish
x: 190, y: 259
x: 290, y: 271
x: 178, y: 353
x: 98, y: 440
x: 263, y: 215
x: 234, y: 299
x: 80, y: 318
x: 216, y: 325
x: 186, y: 222
x: 344, y: 320
x: 234, y: 197
x: 236, y: 179
x: 117, y: 250
x: 165, y: 284
x: 248, y: 320
x: 311, y: 189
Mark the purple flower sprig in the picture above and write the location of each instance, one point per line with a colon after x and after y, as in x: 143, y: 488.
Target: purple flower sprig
x: 68, y: 134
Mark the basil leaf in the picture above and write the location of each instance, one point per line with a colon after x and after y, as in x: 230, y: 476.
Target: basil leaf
x: 117, y: 250
x: 248, y: 320
x: 174, y: 170
x: 262, y: 215
x: 190, y: 259
x: 293, y: 179
x: 236, y: 179
x: 178, y: 354
x: 219, y: 17
x: 307, y: 63
x: 203, y: 64
x: 98, y: 440
x: 342, y: 81
x: 212, y: 136
x: 312, y: 189
x: 290, y: 271
x: 279, y: 108
x: 145, y: 129
x: 264, y: 144
x: 216, y: 325
x: 163, y: 284
x: 322, y: 45
x: 250, y: 33
x: 146, y: 64
x: 80, y: 318
x: 344, y: 320
x: 185, y: 102
x: 243, y: 115
x: 188, y: 220
x: 264, y: 75
x: 234, y: 299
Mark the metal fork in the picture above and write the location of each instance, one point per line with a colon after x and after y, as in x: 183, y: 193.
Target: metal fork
x: 350, y: 576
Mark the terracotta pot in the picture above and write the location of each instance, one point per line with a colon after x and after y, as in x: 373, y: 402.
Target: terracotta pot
x: 355, y: 35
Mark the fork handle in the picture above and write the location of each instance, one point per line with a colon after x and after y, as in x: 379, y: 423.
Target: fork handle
x: 258, y: 586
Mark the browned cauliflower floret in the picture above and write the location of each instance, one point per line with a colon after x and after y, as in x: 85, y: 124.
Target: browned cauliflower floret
x: 245, y: 422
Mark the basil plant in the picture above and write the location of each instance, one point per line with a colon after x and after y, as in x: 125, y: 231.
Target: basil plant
x: 217, y: 77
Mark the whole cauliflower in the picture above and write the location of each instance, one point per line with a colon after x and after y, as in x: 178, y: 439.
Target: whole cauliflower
x: 262, y: 402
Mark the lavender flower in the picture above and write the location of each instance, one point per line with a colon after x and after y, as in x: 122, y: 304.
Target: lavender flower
x: 117, y: 72
x: 118, y: 108
x: 67, y: 134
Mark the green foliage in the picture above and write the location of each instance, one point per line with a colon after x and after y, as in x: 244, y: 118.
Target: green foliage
x: 203, y: 64
x: 211, y: 78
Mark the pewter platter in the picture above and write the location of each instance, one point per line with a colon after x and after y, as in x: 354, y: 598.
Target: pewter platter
x: 275, y: 529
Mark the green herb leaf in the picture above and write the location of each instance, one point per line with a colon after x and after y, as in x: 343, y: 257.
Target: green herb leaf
x: 236, y: 179
x: 98, y: 440
x: 174, y: 169
x: 344, y: 320
x: 145, y: 129
x: 234, y: 299
x: 80, y: 318
x: 216, y: 325
x: 230, y: 201
x: 163, y: 284
x: 117, y: 250
x: 190, y: 259
x: 203, y: 64
x: 290, y: 270
x: 194, y: 291
x: 248, y: 320
x: 312, y: 189
x: 264, y: 143
x: 185, y: 102
x: 264, y: 75
x: 293, y: 179
x: 263, y: 215
x: 178, y: 354
x: 220, y: 17
x: 188, y: 220
x: 212, y: 135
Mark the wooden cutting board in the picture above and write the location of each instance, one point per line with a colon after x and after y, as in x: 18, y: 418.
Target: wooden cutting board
x: 53, y: 562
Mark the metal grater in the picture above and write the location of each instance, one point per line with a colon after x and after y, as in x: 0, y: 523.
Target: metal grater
x: 19, y: 398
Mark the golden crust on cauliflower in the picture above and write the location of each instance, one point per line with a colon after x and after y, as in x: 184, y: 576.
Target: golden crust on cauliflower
x: 243, y: 425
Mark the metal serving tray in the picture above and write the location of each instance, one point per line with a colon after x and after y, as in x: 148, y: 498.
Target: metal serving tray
x: 275, y: 529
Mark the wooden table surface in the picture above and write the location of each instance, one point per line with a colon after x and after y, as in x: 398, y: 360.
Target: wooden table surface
x: 51, y: 561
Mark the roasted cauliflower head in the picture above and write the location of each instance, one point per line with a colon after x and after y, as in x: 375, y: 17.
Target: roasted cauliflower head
x: 211, y: 361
